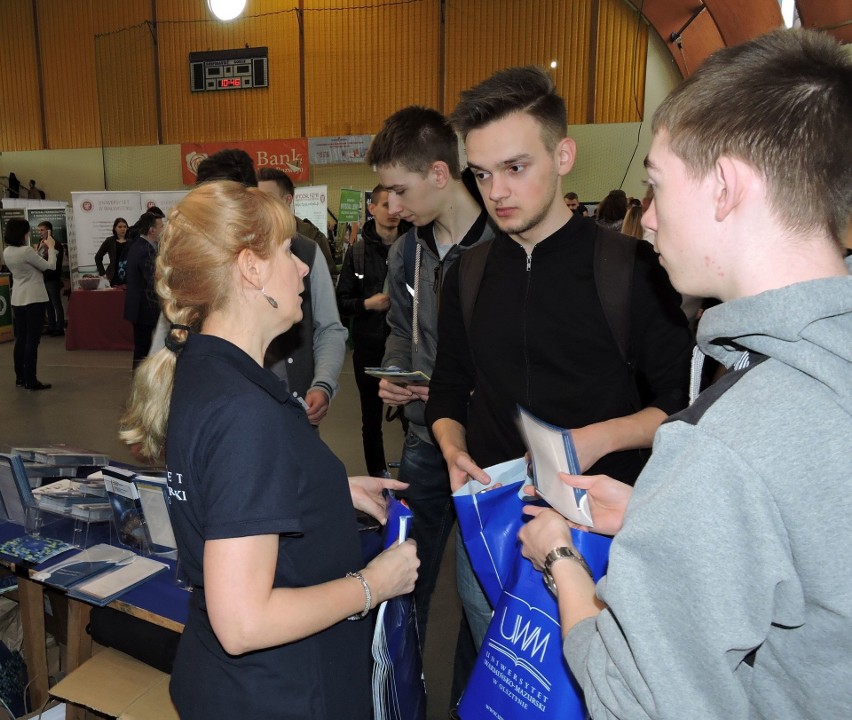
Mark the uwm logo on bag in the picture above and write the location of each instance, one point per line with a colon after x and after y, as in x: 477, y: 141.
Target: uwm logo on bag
x: 290, y: 155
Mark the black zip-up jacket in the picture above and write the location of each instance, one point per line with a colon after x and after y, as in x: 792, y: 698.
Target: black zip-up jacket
x: 367, y: 325
x: 539, y: 339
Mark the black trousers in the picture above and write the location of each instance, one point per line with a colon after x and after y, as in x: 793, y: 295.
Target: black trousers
x: 55, y: 311
x: 27, y: 321
x: 142, y: 335
x: 367, y: 353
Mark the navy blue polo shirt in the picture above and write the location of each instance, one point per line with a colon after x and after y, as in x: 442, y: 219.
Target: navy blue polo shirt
x: 243, y: 460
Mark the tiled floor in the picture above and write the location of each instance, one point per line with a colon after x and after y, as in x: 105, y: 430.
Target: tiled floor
x: 83, y: 407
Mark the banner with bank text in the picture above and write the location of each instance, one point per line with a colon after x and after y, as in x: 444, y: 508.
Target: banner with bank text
x: 291, y: 156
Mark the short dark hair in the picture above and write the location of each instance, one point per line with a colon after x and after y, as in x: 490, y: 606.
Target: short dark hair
x: 155, y: 211
x: 279, y: 176
x: 570, y: 196
x: 46, y: 224
x: 16, y: 231
x: 146, y: 222
x: 783, y: 104
x: 376, y: 190
x: 229, y: 164
x: 612, y: 208
x: 513, y: 90
x: 414, y: 138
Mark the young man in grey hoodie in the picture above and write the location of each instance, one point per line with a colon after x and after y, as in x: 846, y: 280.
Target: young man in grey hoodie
x: 729, y: 589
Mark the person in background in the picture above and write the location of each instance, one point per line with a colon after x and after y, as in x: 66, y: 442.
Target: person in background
x: 33, y: 193
x: 572, y: 200
x: 29, y: 298
x: 133, y: 232
x: 14, y: 186
x: 729, y: 587
x: 262, y: 510
x: 52, y: 281
x: 141, y: 305
x: 287, y: 191
x: 310, y: 354
x: 611, y: 210
x: 115, y: 248
x: 632, y: 224
x: 362, y: 294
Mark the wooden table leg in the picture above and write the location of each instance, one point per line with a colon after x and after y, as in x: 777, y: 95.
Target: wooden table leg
x: 79, y: 647
x: 31, y: 596
x: 79, y: 641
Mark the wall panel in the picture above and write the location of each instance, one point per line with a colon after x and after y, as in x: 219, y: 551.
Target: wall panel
x: 622, y: 47
x: 185, y: 26
x: 124, y: 72
x: 20, y: 112
x: 365, y: 60
x: 483, y: 36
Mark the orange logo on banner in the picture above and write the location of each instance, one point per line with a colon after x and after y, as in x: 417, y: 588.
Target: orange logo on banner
x: 291, y: 156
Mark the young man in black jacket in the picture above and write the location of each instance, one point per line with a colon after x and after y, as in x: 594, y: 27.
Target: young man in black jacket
x: 362, y: 295
x: 539, y: 335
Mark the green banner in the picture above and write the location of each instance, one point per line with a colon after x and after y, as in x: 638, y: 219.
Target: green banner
x: 350, y: 206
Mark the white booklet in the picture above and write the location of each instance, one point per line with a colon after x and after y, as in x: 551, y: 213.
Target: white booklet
x: 398, y: 376
x: 552, y: 452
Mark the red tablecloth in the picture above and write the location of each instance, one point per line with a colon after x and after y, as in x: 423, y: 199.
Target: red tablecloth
x: 96, y: 321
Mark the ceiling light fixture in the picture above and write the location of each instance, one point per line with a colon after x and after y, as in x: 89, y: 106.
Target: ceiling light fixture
x: 226, y: 9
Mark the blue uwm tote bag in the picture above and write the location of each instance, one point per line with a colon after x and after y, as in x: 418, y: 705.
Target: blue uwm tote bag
x: 520, y: 671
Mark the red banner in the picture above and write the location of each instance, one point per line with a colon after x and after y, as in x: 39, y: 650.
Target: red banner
x: 291, y: 156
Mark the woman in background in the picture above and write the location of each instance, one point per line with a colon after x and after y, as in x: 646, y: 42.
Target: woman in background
x: 632, y: 224
x: 262, y: 510
x: 29, y: 298
x: 115, y: 248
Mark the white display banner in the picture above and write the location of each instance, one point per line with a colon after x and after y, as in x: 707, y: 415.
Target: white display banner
x: 163, y: 199
x: 94, y: 215
x: 311, y: 202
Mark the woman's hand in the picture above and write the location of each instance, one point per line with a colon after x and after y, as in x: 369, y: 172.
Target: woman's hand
x: 367, y: 494
x: 608, y: 499
x: 393, y: 572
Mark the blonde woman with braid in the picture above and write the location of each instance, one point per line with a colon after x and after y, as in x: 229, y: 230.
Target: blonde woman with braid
x: 262, y: 510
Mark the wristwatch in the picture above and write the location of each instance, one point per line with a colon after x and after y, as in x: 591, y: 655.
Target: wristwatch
x: 561, y: 553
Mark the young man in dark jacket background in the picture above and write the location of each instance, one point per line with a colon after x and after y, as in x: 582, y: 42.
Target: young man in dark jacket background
x: 362, y: 295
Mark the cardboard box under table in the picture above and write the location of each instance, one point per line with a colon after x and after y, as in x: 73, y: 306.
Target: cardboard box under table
x: 114, y: 684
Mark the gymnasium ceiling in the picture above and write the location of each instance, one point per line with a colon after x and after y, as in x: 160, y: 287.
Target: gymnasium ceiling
x: 712, y: 24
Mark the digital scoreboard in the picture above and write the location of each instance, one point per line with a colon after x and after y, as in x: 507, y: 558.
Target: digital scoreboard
x: 240, y: 69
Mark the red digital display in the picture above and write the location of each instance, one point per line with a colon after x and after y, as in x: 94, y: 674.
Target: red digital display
x: 230, y: 83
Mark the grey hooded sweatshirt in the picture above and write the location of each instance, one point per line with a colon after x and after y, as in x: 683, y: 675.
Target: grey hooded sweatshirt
x: 729, y: 590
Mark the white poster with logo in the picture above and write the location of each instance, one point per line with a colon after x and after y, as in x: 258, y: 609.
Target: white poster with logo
x: 311, y: 202
x: 163, y: 199
x: 94, y: 215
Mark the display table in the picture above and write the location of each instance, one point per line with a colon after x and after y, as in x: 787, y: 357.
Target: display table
x: 96, y: 321
x: 158, y: 601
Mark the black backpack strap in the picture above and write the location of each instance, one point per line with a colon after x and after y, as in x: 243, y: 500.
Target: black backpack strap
x: 471, y: 268
x: 615, y: 256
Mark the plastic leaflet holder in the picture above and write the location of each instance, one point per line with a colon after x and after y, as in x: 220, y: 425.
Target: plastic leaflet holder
x: 20, y: 506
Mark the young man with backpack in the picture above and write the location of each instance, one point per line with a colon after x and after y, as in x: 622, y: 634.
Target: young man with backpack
x: 416, y: 156
x: 576, y: 323
x: 362, y: 295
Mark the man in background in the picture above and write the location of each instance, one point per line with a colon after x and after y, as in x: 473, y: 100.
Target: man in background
x: 267, y: 176
x: 362, y: 295
x: 141, y: 303
x: 53, y: 282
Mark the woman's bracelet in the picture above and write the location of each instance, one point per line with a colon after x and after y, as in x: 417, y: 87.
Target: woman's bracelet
x: 368, y: 597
